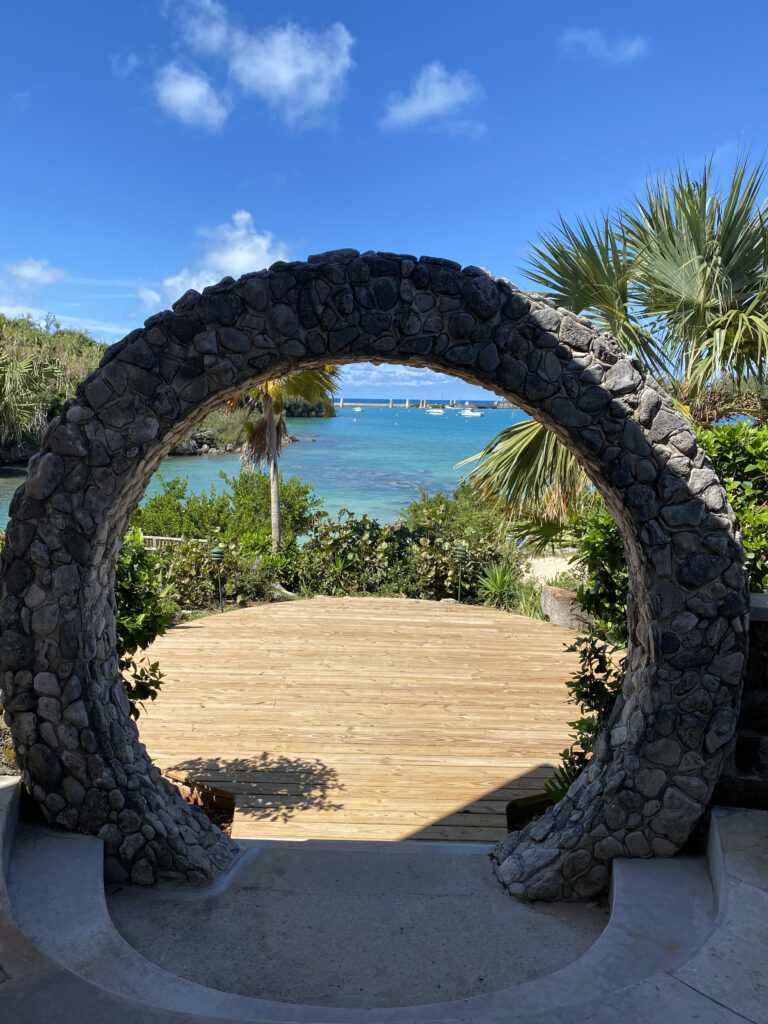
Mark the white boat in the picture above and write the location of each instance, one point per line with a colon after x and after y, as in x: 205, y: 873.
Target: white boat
x: 471, y: 411
x: 435, y: 412
x: 357, y: 408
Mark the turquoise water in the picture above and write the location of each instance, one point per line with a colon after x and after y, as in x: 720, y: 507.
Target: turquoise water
x: 372, y: 461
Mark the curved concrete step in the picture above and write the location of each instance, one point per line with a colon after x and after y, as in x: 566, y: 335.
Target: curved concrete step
x: 662, y: 912
x: 9, y: 816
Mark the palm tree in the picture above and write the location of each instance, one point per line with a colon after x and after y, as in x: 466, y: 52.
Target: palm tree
x: 27, y: 387
x: 680, y: 280
x: 265, y: 435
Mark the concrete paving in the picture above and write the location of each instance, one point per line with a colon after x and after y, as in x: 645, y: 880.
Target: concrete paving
x: 678, y: 947
x: 316, y: 922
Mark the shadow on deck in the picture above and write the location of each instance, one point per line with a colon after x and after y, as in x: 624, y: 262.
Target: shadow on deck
x: 277, y: 790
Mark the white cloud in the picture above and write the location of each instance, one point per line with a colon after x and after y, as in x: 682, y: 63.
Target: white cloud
x: 391, y: 380
x: 299, y: 73
x: 189, y: 96
x: 591, y: 42
x: 231, y: 249
x: 202, y: 24
x: 388, y: 374
x: 148, y: 297
x: 31, y: 273
x: 123, y: 64
x: 296, y: 71
x: 434, y: 94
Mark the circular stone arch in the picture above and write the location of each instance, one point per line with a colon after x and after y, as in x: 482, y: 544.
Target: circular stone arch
x: 653, y: 769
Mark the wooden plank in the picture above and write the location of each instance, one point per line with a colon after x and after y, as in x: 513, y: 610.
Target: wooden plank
x: 363, y: 717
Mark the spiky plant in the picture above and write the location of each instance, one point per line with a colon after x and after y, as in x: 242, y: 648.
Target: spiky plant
x: 680, y: 280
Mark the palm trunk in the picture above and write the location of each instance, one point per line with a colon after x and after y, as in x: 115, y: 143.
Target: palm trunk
x: 274, y: 479
x: 274, y: 491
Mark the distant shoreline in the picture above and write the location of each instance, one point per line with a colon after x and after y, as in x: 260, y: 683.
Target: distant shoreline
x: 369, y: 403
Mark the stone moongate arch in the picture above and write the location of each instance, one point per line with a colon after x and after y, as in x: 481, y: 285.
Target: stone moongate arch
x: 653, y: 770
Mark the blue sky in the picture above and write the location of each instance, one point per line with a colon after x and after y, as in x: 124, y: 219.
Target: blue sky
x: 156, y: 145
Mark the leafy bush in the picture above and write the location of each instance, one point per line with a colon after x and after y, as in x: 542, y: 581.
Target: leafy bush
x: 191, y: 578
x: 240, y: 513
x: 528, y: 601
x: 144, y: 610
x: 351, y: 555
x: 568, y: 579
x: 602, y: 563
x: 594, y: 687
x: 465, y: 515
x: 739, y: 453
x: 414, y: 556
x: 437, y: 525
x: 174, y: 513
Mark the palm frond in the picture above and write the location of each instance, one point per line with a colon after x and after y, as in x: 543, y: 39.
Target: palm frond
x: 530, y: 471
x: 542, y: 535
x: 590, y: 269
x: 701, y: 265
x: 313, y: 385
x: 256, y: 445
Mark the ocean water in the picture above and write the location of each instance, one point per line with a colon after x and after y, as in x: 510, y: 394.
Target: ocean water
x: 371, y: 461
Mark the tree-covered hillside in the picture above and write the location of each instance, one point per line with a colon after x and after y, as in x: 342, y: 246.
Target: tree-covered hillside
x: 40, y: 366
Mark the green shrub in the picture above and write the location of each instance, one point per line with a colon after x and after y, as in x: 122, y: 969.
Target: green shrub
x: 528, y: 600
x: 499, y: 583
x: 144, y: 610
x: 190, y: 575
x: 568, y: 579
x: 594, y: 687
x: 240, y: 513
x: 739, y: 453
x: 601, y: 561
x: 464, y: 515
x: 437, y: 525
x: 351, y: 555
x: 174, y: 513
x: 414, y: 556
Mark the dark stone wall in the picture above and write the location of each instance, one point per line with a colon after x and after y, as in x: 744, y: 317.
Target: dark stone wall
x: 744, y: 782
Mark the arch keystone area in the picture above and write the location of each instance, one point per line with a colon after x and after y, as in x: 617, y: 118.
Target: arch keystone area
x: 653, y: 770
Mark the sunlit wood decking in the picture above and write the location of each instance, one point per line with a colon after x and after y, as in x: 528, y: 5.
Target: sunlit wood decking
x: 363, y: 718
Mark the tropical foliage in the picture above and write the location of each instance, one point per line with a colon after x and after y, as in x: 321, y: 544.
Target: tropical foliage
x: 144, y: 610
x: 414, y: 556
x: 349, y: 554
x: 39, y: 367
x: 739, y: 453
x: 499, y: 585
x: 593, y: 687
x: 240, y: 512
x: 266, y: 434
x: 680, y: 278
x: 191, y: 578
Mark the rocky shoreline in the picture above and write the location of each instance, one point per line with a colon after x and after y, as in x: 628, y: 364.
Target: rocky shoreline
x: 195, y: 444
x: 200, y: 443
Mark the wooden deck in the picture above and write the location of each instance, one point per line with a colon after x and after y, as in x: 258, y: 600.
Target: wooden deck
x: 363, y: 718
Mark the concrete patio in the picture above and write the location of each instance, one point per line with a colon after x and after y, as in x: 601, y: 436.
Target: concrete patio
x: 379, y: 933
